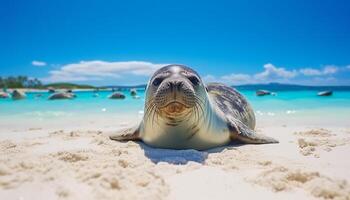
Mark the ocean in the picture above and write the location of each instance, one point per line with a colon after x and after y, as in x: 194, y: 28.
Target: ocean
x: 283, y: 106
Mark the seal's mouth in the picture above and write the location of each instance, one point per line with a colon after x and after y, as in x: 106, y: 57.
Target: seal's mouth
x: 174, y: 107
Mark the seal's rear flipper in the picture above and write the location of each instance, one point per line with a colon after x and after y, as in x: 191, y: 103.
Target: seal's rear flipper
x: 241, y: 132
x: 126, y: 134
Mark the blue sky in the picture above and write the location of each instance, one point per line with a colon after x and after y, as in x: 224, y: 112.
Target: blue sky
x: 123, y: 42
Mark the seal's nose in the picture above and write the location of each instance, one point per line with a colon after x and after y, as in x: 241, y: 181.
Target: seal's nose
x: 175, y: 85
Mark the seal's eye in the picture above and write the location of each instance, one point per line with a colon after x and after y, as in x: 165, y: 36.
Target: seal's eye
x: 194, y: 80
x: 157, y: 81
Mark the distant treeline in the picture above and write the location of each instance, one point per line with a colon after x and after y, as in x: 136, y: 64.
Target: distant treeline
x: 19, y: 82
x: 25, y: 82
x: 69, y: 86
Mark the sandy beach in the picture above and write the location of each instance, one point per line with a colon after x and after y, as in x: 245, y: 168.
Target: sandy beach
x: 48, y: 162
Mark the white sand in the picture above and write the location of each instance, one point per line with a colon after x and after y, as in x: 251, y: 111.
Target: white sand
x: 82, y: 163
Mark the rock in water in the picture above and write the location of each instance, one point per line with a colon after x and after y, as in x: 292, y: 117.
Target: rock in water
x: 51, y: 90
x: 17, y: 95
x: 262, y: 92
x: 325, y: 93
x: 4, y: 95
x: 117, y: 95
x: 61, y: 95
x: 133, y: 92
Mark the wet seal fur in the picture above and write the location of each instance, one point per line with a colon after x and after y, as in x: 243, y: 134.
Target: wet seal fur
x: 182, y: 113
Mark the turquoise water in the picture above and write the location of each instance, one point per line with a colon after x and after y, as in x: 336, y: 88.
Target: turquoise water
x: 284, y: 103
x: 83, y: 104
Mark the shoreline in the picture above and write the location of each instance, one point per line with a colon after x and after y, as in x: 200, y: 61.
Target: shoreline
x: 100, y: 120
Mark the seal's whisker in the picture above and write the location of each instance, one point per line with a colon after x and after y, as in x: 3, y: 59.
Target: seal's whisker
x: 154, y: 113
x: 148, y: 105
x: 149, y: 112
x: 201, y: 107
x: 201, y: 103
x: 199, y: 99
x: 197, y: 116
x: 152, y: 116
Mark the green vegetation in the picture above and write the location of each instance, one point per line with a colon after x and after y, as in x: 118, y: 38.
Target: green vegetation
x: 19, y: 82
x: 25, y: 82
x: 68, y: 86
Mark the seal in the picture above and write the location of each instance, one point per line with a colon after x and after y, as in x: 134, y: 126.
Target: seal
x: 181, y: 112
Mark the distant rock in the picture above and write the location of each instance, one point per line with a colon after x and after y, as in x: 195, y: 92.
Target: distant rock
x: 263, y: 93
x: 133, y: 92
x: 69, y: 91
x: 325, y: 93
x: 51, y: 90
x: 4, y: 95
x: 17, y: 95
x: 117, y: 95
x: 61, y: 95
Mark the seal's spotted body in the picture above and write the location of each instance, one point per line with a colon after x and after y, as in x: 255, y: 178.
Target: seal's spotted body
x: 182, y: 113
x: 232, y: 104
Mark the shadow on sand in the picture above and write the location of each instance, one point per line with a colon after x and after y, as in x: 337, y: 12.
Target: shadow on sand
x: 181, y: 157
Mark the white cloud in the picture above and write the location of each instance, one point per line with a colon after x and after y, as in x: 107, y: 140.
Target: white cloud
x: 100, y: 70
x: 272, y: 72
x: 38, y: 63
x: 330, y: 69
x: 327, y: 70
x: 209, y: 78
x: 310, y: 72
x: 130, y: 72
x: 237, y: 78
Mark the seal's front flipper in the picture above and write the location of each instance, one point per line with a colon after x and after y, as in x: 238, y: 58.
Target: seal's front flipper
x: 241, y: 132
x: 126, y: 134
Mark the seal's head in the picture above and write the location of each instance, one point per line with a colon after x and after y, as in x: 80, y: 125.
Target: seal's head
x: 174, y: 91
